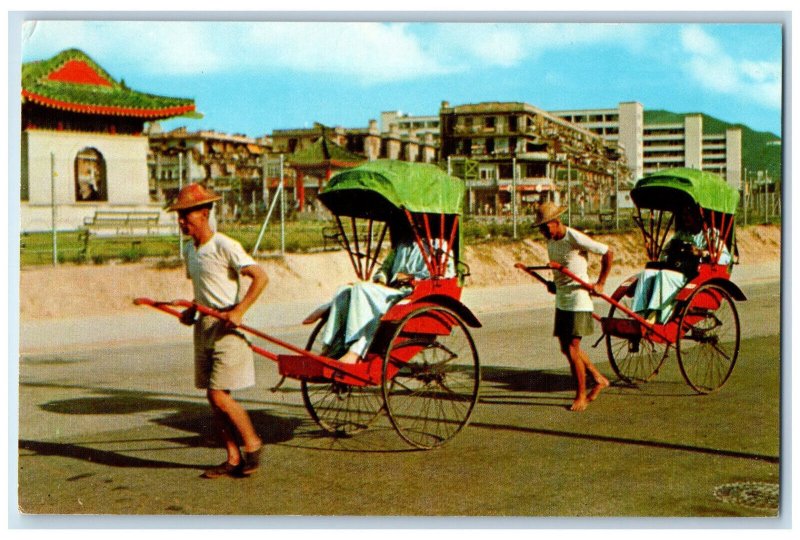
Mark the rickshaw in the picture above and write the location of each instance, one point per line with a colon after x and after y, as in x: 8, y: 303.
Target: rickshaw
x: 422, y: 367
x: 703, y: 327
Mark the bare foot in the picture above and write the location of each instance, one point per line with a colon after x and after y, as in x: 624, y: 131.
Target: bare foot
x: 602, y: 384
x: 350, y: 358
x: 579, y: 404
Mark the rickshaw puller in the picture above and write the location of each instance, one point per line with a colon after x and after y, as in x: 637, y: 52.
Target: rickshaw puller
x: 573, y: 319
x: 222, y: 356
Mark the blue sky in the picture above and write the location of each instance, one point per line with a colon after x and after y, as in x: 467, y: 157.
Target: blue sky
x: 253, y: 77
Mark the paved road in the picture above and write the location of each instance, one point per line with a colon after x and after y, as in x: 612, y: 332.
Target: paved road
x: 118, y: 429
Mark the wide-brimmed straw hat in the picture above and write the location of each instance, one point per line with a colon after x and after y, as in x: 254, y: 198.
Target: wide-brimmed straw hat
x: 548, y: 211
x: 191, y: 196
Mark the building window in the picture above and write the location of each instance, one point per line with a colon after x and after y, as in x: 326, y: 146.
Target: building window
x: 489, y: 122
x: 512, y: 123
x: 90, y: 176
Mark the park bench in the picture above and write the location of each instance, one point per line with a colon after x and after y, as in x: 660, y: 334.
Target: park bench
x: 605, y: 220
x: 122, y: 221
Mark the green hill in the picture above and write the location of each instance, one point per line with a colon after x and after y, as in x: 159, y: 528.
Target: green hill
x: 761, y: 150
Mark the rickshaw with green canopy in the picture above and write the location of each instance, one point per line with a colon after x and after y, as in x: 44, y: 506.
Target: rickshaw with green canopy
x: 703, y: 325
x: 422, y: 366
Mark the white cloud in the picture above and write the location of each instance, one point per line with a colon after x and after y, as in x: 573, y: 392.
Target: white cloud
x: 505, y: 44
x: 151, y: 47
x: 713, y: 68
x: 696, y: 41
x: 370, y: 52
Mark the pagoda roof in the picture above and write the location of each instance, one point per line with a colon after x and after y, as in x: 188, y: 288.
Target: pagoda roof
x: 324, y: 153
x: 71, y: 81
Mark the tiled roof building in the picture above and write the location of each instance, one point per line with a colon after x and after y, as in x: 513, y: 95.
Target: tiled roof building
x: 83, y: 143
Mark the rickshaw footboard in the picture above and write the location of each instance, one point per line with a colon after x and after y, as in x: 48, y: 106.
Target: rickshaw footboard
x: 621, y: 328
x: 297, y: 366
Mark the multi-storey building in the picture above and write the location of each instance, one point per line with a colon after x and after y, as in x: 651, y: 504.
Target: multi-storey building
x: 407, y: 125
x: 506, y: 147
x: 314, y: 154
x: 232, y: 165
x: 653, y: 146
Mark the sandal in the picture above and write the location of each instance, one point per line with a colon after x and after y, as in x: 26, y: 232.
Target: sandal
x: 251, y: 461
x: 223, y: 469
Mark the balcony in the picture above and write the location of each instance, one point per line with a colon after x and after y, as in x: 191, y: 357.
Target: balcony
x: 534, y: 156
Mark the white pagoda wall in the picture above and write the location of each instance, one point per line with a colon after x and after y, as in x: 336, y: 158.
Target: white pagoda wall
x: 126, y: 177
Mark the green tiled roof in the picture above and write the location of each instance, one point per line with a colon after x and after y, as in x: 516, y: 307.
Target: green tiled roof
x: 324, y: 152
x: 72, y: 81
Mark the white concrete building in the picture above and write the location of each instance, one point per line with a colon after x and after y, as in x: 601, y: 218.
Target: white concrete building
x: 650, y: 146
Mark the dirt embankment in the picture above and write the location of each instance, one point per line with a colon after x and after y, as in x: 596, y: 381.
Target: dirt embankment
x: 69, y: 291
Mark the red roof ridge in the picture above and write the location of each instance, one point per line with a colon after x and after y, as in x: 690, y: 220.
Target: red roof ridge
x: 78, y: 72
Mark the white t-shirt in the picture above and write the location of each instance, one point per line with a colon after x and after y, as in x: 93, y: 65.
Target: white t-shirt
x: 214, y: 270
x: 572, y: 253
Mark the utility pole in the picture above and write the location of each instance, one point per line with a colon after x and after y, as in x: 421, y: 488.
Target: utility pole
x: 744, y: 197
x: 514, y: 196
x: 616, y: 195
x: 283, y: 213
x: 53, y: 207
x: 569, y: 193
x: 180, y: 187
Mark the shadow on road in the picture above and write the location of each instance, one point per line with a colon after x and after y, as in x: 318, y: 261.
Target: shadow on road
x: 527, y: 380
x: 94, y: 455
x: 189, y: 416
x: 630, y: 441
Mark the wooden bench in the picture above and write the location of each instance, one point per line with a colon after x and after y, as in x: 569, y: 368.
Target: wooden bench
x: 605, y: 220
x: 122, y: 221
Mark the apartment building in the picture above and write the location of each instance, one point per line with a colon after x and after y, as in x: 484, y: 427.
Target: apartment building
x: 231, y: 164
x: 314, y: 154
x: 407, y: 125
x: 500, y: 148
x: 653, y: 146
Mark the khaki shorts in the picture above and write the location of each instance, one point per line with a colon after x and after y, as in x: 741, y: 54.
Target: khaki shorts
x: 222, y: 358
x: 573, y: 323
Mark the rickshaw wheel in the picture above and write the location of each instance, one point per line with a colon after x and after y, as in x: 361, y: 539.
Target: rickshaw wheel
x: 339, y: 408
x: 708, y: 343
x: 634, y: 361
x: 431, y: 377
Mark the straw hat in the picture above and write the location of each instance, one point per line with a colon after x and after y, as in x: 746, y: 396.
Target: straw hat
x: 548, y: 211
x: 193, y: 195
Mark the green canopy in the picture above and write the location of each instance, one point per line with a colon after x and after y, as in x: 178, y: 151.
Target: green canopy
x: 670, y: 188
x: 380, y: 188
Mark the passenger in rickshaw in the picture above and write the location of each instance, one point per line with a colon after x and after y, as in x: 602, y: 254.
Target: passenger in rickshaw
x: 657, y: 288
x: 356, y: 308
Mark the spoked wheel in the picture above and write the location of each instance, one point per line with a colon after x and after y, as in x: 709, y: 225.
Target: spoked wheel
x: 337, y: 407
x: 635, y: 360
x: 431, y: 377
x: 708, y: 341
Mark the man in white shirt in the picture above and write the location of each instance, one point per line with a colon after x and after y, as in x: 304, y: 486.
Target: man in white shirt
x: 569, y: 248
x: 223, y: 359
